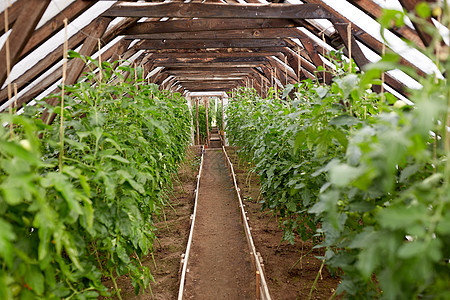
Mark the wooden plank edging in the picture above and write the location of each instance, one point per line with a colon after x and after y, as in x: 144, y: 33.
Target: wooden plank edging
x: 189, y: 243
x: 263, y: 288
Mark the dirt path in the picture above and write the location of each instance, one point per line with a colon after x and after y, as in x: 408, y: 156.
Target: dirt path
x: 219, y: 263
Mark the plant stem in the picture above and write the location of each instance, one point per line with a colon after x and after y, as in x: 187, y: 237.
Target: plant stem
x: 317, y: 278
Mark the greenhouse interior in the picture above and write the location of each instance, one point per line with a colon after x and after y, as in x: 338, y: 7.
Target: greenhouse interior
x: 224, y: 149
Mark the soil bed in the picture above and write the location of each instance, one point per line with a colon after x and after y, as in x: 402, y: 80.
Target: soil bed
x: 219, y: 265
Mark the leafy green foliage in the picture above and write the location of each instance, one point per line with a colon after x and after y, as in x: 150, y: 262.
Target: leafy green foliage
x: 62, y: 230
x: 371, y: 181
x: 201, y: 121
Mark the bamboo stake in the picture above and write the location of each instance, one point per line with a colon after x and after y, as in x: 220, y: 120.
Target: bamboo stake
x: 285, y: 69
x: 383, y: 51
x: 8, y: 64
x: 299, y: 66
x: 61, y: 128
x: 323, y: 56
x: 349, y: 37
x: 275, y: 83
x: 100, y: 61
x: 15, y: 97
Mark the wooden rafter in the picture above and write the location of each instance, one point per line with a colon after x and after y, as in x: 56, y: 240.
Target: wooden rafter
x: 362, y: 36
x: 202, y: 44
x: 204, y: 24
x: 55, y: 24
x: 22, y: 30
x: 361, y: 60
x: 212, y: 10
x: 13, y: 13
x: 374, y: 10
x: 77, y: 65
x: 410, y: 6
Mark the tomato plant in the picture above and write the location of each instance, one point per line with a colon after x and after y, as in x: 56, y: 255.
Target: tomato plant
x: 62, y: 230
x: 368, y: 178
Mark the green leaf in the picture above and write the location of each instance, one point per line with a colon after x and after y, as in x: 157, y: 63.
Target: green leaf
x: 35, y: 280
x: 117, y: 158
x: 423, y: 10
x: 344, y: 120
x: 7, y: 236
x: 321, y: 91
x: 343, y: 174
x: 368, y: 260
x: 73, y: 54
x: 411, y: 249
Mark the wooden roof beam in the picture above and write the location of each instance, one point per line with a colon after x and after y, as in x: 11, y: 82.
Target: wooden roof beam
x: 14, y: 11
x: 373, y: 9
x: 212, y: 10
x: 362, y: 36
x: 190, y: 25
x: 410, y: 6
x: 22, y: 30
x: 55, y: 24
x: 221, y: 54
x: 202, y: 44
x: 361, y: 60
x: 265, y: 33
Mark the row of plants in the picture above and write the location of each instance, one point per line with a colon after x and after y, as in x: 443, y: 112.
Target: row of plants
x: 78, y: 198
x: 363, y: 174
x: 201, y: 122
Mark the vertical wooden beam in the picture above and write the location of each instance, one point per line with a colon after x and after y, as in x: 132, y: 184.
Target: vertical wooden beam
x: 21, y: 32
x: 206, y: 101
x: 198, y: 132
x: 223, y: 116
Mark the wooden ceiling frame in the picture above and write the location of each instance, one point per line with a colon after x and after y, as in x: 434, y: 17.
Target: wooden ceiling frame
x: 362, y: 36
x: 46, y: 31
x: 25, y: 23
x: 77, y: 65
x: 228, y: 26
x: 374, y: 10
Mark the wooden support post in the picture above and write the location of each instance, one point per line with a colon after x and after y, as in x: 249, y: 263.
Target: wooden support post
x: 198, y: 131
x: 258, y: 296
x: 223, y: 116
x: 206, y: 100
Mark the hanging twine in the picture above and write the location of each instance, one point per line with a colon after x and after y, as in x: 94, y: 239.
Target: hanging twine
x: 323, y: 55
x: 383, y: 51
x: 299, y: 66
x: 286, y: 69
x: 349, y: 36
x: 8, y: 65
x: 100, y: 73
x: 64, y: 76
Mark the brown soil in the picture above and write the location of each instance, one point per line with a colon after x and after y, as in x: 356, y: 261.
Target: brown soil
x: 219, y: 265
x: 287, y: 276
